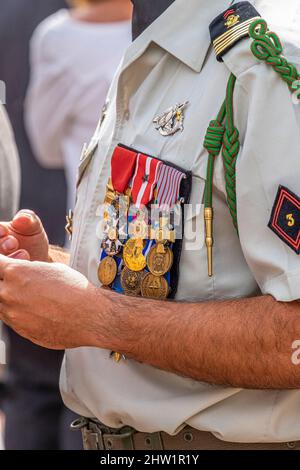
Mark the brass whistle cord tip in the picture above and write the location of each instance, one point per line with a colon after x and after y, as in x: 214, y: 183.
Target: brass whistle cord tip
x: 208, y: 217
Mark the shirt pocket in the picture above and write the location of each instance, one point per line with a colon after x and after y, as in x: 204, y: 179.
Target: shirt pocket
x: 194, y: 227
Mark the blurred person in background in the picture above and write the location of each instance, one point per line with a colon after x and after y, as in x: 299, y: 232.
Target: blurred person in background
x: 74, y: 55
x: 18, y: 20
x: 9, y: 169
x: 9, y: 202
x: 35, y: 415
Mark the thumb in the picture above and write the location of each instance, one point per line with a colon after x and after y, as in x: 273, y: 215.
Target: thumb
x: 26, y: 222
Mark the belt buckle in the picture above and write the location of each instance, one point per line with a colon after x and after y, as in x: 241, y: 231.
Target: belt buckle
x: 96, y: 436
x: 122, y: 440
x: 92, y: 434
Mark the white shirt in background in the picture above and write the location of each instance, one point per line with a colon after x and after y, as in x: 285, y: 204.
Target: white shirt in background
x: 73, y: 63
x: 10, y: 177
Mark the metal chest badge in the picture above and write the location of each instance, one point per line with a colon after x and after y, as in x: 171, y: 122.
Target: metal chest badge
x: 171, y: 121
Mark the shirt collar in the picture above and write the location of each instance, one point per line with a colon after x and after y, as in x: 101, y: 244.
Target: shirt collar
x: 182, y: 30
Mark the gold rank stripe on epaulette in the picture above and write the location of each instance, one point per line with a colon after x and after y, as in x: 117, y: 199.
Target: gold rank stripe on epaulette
x: 232, y: 26
x: 229, y: 38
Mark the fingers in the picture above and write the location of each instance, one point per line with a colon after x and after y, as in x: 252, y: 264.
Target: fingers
x: 20, y: 254
x: 7, y: 261
x: 8, y: 244
x: 26, y: 223
x: 3, y: 230
x: 4, y: 262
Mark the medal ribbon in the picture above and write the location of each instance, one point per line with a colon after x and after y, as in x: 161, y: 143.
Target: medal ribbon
x: 168, y: 185
x: 122, y: 167
x: 144, y: 179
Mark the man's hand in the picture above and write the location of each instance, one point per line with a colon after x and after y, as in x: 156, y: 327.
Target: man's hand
x: 46, y: 302
x: 244, y: 343
x: 25, y: 232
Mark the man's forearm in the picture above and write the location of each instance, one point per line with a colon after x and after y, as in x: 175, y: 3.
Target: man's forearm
x: 59, y: 255
x: 243, y: 343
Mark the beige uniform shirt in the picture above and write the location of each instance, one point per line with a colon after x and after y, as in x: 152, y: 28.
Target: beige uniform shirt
x: 172, y: 62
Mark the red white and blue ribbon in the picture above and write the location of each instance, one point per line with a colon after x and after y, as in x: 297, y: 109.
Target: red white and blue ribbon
x: 168, y: 185
x: 144, y: 179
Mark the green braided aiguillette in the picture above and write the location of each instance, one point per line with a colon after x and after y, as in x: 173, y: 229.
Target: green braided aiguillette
x: 267, y: 46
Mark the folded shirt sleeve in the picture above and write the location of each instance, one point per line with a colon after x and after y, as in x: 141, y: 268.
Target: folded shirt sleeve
x: 269, y: 159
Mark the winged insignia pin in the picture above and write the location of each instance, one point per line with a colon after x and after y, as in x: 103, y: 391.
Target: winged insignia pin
x: 171, y: 121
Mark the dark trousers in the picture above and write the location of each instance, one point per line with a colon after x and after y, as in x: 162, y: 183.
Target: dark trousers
x: 36, y: 418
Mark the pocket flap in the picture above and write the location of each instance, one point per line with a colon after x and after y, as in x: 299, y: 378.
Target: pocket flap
x: 87, y: 154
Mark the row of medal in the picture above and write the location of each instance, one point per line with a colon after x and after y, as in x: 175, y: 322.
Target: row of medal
x: 136, y: 256
x: 141, y: 263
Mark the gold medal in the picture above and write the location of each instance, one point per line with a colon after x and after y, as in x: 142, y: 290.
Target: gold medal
x: 133, y: 255
x: 160, y: 259
x: 112, y: 233
x: 155, y: 287
x: 131, y: 281
x: 107, y: 271
x: 161, y: 247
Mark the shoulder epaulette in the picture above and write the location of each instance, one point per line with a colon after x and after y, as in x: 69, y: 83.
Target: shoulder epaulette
x: 231, y: 26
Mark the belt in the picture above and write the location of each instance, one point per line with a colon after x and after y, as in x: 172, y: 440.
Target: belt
x: 97, y: 436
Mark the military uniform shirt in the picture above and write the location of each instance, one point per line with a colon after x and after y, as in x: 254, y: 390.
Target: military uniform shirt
x: 173, y: 62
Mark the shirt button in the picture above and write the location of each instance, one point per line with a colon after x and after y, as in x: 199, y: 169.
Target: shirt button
x: 126, y: 115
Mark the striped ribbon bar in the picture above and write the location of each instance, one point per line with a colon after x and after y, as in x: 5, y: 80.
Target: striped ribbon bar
x: 144, y: 179
x: 168, y: 185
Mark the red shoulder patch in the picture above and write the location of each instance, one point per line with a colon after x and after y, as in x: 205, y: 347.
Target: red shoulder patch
x: 285, y: 218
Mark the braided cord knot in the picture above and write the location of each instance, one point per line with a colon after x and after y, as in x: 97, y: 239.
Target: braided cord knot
x: 214, y: 137
x: 267, y: 46
x: 231, y: 147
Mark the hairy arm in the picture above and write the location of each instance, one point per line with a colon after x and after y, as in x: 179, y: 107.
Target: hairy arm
x: 243, y: 343
x: 58, y: 255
